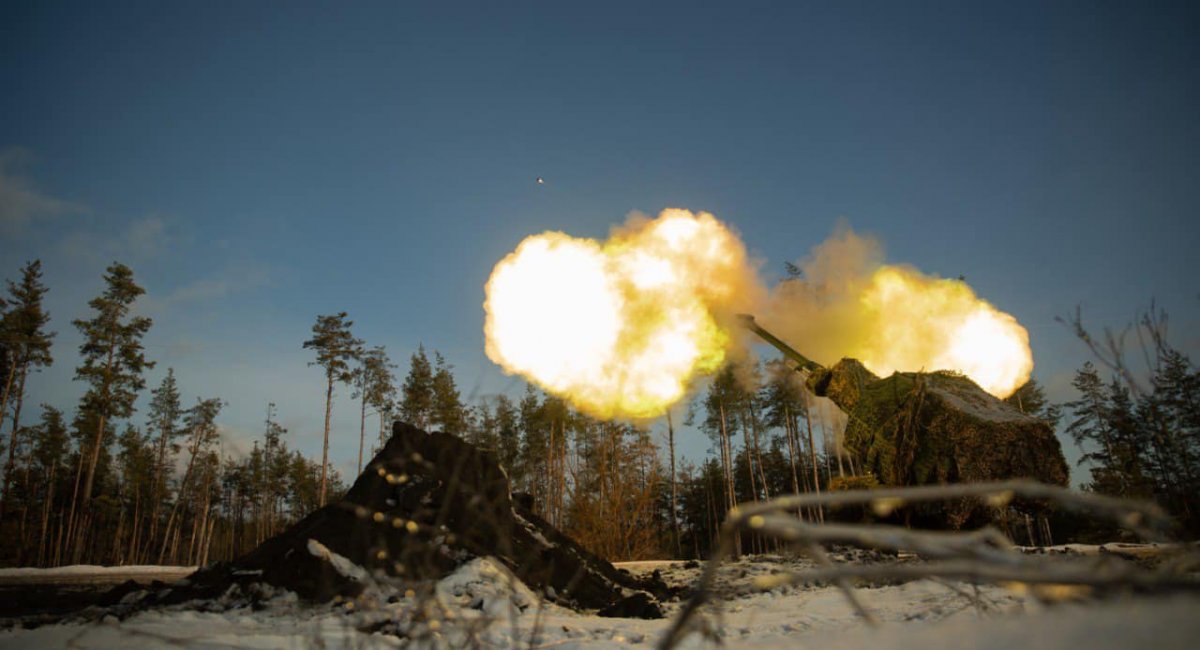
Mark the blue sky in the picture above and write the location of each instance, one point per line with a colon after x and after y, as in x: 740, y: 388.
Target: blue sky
x: 260, y: 163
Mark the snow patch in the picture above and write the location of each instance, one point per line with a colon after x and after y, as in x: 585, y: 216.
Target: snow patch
x: 340, y: 563
x: 977, y: 404
x: 486, y: 585
x: 482, y: 603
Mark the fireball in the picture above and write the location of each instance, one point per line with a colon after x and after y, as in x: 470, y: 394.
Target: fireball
x: 620, y: 328
x: 915, y: 322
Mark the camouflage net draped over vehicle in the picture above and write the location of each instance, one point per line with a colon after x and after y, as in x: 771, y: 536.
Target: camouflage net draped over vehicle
x: 937, y: 427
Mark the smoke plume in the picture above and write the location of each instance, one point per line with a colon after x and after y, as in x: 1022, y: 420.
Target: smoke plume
x: 845, y: 302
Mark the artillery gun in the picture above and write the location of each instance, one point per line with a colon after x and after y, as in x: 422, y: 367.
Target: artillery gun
x: 920, y: 428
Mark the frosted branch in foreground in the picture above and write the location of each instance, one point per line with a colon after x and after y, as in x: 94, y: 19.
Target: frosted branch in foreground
x: 984, y: 555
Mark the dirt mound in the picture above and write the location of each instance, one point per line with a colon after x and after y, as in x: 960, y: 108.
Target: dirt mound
x: 426, y: 504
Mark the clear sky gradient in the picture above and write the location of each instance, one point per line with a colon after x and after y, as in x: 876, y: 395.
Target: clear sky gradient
x: 259, y: 163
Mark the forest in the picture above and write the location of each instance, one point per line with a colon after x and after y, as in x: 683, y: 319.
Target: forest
x: 135, y: 474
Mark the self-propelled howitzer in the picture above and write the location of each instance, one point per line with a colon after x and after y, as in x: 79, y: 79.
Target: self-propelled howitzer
x: 918, y: 428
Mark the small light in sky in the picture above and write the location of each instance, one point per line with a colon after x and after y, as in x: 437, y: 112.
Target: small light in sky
x: 540, y: 181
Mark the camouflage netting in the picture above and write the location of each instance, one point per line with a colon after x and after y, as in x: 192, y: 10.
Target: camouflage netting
x: 939, y: 427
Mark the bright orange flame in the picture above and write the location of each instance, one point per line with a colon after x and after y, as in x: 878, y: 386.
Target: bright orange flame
x: 917, y: 322
x: 620, y: 328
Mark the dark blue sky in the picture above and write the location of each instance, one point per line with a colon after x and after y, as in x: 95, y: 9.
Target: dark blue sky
x: 260, y: 163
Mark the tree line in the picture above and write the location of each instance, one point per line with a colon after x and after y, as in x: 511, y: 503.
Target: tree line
x: 106, y: 484
x: 103, y: 485
x: 1140, y: 431
x: 98, y: 486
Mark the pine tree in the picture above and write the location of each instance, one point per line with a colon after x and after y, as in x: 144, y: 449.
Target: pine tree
x: 448, y: 410
x: 24, y: 331
x: 1171, y: 413
x: 374, y: 387
x: 1031, y: 399
x: 530, y: 464
x: 1091, y: 429
x: 113, y: 362
x: 200, y: 423
x: 49, y: 453
x: 416, y: 401
x: 137, y: 460
x: 1129, y: 440
x: 674, y: 507
x: 700, y: 506
x: 556, y: 417
x: 8, y: 366
x: 481, y: 426
x: 164, y: 419
x: 783, y: 403
x: 508, y: 434
x: 84, y: 426
x: 335, y: 347
x: 275, y: 455
x: 719, y: 405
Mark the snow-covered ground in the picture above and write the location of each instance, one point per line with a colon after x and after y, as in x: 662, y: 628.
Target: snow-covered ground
x: 483, y: 604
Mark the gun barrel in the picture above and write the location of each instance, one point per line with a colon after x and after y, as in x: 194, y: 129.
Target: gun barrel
x: 802, y: 361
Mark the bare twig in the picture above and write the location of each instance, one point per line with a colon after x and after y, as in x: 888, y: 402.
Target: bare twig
x: 818, y: 553
x: 1053, y: 572
x: 1146, y: 519
x: 983, y: 555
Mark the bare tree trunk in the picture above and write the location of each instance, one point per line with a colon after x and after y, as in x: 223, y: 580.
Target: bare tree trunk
x: 714, y: 517
x: 197, y: 522
x: 99, y: 439
x: 162, y: 553
x: 160, y: 487
x: 787, y: 432
x: 562, y: 472
x: 204, y: 523
x: 748, y: 448
x: 731, y: 496
x: 61, y: 552
x: 56, y: 558
x: 175, y: 545
x: 137, y: 527
x: 79, y: 543
x: 812, y: 452
x: 674, y: 491
x: 212, y: 524
x: 183, y: 486
x: 26, y: 531
x: 549, y: 498
x: 117, y: 558
x: 10, y: 466
x: 86, y: 495
x: 325, y: 452
x: 8, y: 382
x: 382, y: 431
x: 755, y: 540
x: 827, y: 427
x: 362, y: 429
x: 762, y: 475
x: 71, y: 520
x: 47, y: 508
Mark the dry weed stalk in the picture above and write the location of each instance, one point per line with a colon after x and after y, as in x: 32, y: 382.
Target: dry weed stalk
x: 983, y: 555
